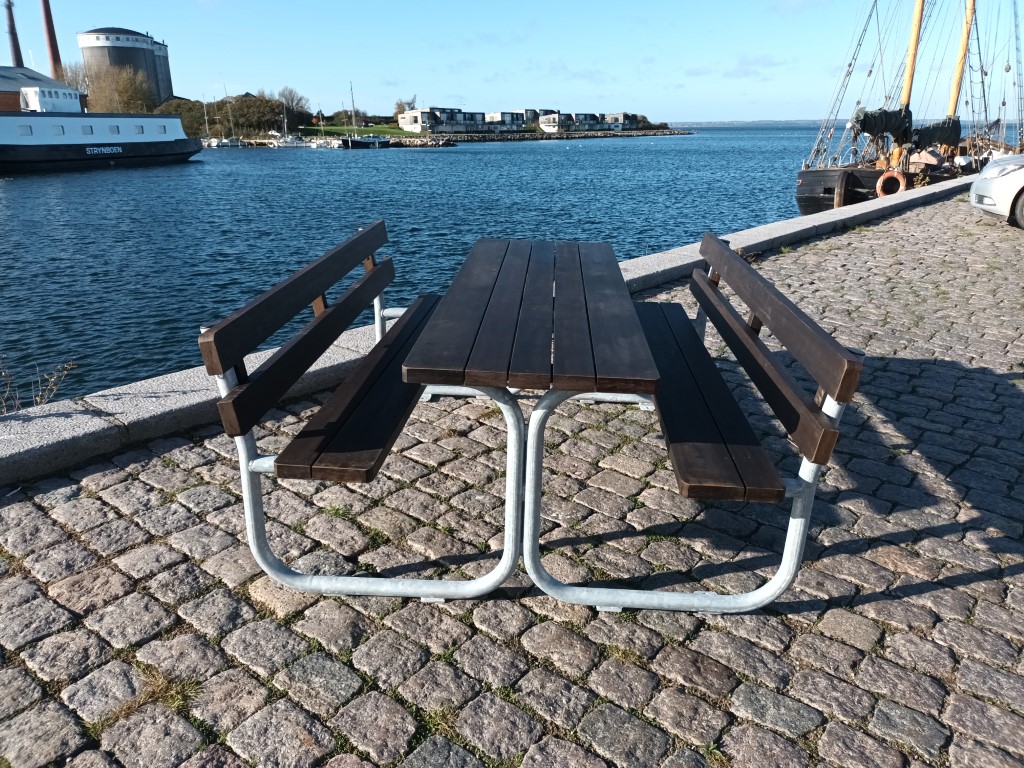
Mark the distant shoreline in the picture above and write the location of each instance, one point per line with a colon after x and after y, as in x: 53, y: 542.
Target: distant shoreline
x: 415, y: 140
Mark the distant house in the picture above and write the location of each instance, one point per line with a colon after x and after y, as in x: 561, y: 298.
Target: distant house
x: 416, y: 120
x: 499, y: 122
x: 621, y: 121
x: 452, y: 120
x: 531, y: 116
x: 555, y: 122
x: 588, y: 121
x: 442, y: 120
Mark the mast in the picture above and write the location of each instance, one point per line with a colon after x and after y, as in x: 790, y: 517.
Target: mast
x: 56, y: 68
x: 1020, y: 85
x: 961, y: 60
x: 981, y: 77
x: 352, y: 99
x: 915, y: 39
x: 12, y: 31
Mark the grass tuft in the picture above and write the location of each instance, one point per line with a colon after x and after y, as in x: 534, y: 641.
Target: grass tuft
x: 44, y: 388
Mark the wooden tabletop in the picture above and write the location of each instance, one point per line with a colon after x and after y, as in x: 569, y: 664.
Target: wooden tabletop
x: 536, y: 315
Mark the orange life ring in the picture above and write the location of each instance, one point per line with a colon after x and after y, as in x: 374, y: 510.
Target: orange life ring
x: 882, y: 189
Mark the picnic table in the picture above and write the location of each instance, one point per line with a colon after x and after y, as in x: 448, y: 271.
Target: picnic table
x: 555, y: 318
x: 550, y: 316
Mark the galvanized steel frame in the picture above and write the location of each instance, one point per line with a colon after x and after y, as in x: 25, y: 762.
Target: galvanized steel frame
x: 800, y: 489
x: 252, y: 464
x: 523, y: 475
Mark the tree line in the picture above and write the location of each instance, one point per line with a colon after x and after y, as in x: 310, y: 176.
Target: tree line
x: 124, y: 89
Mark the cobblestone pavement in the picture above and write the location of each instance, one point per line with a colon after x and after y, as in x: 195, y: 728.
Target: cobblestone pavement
x: 136, y: 630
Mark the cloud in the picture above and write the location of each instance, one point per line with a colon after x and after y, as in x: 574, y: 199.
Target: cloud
x: 559, y: 69
x: 753, y: 67
x: 700, y: 72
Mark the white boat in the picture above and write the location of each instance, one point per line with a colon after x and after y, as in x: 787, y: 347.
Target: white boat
x: 52, y: 133
x: 287, y: 142
x: 284, y: 140
x: 321, y: 141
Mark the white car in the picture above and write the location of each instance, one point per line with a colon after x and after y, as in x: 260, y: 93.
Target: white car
x: 998, y: 189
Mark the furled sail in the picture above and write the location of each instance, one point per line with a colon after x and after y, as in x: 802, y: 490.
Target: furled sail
x: 943, y: 132
x: 896, y: 122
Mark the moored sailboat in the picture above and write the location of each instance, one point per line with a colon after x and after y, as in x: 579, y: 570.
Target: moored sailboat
x: 883, y: 152
x: 366, y: 141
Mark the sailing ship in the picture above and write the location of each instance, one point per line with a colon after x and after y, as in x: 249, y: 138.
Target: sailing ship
x: 882, y: 152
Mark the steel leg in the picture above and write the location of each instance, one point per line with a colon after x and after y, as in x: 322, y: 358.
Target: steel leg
x: 250, y: 462
x: 605, y: 598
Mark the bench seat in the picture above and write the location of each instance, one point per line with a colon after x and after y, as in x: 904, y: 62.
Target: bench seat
x: 712, y: 448
x: 349, y: 438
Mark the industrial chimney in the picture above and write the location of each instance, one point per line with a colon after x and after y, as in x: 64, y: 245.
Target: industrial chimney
x: 16, y: 59
x: 56, y: 70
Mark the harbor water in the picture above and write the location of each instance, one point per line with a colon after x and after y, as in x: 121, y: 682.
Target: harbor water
x: 116, y: 271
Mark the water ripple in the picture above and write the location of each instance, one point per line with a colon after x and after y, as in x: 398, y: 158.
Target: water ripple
x: 117, y: 270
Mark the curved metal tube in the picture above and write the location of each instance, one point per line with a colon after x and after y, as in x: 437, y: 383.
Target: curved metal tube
x: 606, y: 598
x: 427, y: 589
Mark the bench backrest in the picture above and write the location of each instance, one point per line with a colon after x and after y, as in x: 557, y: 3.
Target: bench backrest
x: 225, y: 345
x: 835, y: 368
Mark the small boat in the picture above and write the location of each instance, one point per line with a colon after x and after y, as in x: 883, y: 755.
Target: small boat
x: 321, y: 141
x: 882, y: 152
x: 38, y: 140
x: 287, y: 142
x: 366, y: 141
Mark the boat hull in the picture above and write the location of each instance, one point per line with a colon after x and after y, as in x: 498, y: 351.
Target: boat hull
x: 19, y: 160
x: 348, y: 142
x: 822, y: 189
x: 43, y: 142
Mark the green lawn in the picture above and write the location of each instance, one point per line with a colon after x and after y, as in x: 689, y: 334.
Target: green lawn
x: 345, y: 130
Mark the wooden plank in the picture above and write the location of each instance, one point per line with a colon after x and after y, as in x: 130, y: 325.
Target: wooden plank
x: 443, y: 350
x: 702, y: 464
x: 834, y: 367
x: 245, y: 405
x: 298, y: 457
x: 622, y: 359
x: 530, y: 367
x: 492, y: 351
x: 757, y: 472
x: 359, y: 448
x: 573, y: 354
x: 229, y: 341
x: 808, y: 427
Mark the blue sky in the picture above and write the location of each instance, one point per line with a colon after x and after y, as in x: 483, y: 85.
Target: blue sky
x: 674, y: 61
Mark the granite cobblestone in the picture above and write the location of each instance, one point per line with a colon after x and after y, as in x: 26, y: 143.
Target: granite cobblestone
x: 901, y: 644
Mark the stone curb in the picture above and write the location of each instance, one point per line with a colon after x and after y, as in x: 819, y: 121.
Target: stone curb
x: 45, y: 439
x: 655, y: 269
